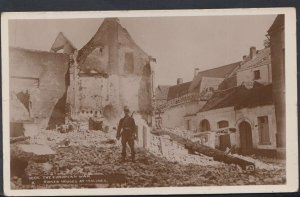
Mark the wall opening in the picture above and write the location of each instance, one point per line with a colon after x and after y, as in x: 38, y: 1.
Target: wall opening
x: 60, y: 109
x: 58, y: 114
x: 246, y: 145
x: 204, y: 125
x: 16, y: 129
x: 109, y: 112
x: 223, y: 124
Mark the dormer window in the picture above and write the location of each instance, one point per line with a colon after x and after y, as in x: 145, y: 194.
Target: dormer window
x: 256, y: 74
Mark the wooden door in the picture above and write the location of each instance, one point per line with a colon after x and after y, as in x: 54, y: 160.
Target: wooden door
x: 246, y: 144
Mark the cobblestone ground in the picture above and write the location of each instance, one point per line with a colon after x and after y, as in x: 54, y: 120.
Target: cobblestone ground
x: 99, y: 154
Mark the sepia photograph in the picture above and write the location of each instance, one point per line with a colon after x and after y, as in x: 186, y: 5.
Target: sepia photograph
x: 126, y: 100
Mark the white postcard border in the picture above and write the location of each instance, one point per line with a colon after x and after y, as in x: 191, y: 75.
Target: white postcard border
x: 291, y: 102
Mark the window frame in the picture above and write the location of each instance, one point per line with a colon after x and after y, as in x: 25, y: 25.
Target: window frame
x: 263, y: 138
x: 256, y: 77
x: 223, y: 121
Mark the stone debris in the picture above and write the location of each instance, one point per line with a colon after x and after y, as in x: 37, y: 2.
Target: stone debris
x: 176, y: 152
x: 36, y: 149
x: 259, y: 164
x: 98, y: 153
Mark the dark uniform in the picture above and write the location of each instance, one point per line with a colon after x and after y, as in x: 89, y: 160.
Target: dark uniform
x: 127, y: 132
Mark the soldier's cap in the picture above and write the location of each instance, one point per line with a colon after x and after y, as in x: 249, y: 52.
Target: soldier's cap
x: 126, y: 109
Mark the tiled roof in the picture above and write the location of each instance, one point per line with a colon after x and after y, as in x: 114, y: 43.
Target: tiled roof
x: 241, y: 97
x: 229, y: 82
x: 219, y: 72
x: 277, y: 24
x: 161, y: 92
x: 262, y: 57
x: 178, y: 90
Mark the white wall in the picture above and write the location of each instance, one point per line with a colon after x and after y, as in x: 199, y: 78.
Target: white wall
x: 234, y: 118
x: 247, y: 75
x: 214, y: 116
x: 251, y: 116
x: 173, y: 117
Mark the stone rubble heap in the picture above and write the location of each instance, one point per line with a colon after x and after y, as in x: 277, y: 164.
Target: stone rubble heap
x: 97, y: 152
x: 163, y: 146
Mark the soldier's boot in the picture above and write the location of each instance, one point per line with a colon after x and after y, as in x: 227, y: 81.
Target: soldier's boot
x: 123, y: 158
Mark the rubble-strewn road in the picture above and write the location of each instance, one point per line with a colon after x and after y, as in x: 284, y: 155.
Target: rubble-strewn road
x: 99, y: 155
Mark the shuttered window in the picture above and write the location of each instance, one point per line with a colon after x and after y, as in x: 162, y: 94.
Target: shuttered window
x: 263, y: 129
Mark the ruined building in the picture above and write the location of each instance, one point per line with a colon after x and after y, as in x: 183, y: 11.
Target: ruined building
x: 109, y: 72
x: 37, y: 83
x: 98, y: 80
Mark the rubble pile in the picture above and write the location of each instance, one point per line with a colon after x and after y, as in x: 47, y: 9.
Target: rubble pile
x: 86, y: 138
x: 149, y: 170
x: 176, y: 152
x: 96, y: 153
x: 260, y: 164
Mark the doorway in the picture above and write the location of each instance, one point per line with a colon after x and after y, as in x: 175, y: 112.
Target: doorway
x: 246, y: 145
x: 204, y: 125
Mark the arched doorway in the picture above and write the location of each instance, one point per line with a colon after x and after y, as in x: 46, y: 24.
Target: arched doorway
x: 204, y: 125
x: 246, y: 145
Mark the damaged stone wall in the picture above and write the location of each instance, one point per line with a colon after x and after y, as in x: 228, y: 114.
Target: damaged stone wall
x: 42, y: 74
x: 124, y: 75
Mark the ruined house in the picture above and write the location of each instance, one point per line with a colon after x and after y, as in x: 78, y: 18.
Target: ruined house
x: 37, y: 83
x: 276, y: 36
x: 66, y: 84
x: 109, y: 72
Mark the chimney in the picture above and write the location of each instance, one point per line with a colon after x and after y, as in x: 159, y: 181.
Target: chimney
x: 179, y: 81
x: 244, y: 57
x: 196, y: 70
x: 252, y: 52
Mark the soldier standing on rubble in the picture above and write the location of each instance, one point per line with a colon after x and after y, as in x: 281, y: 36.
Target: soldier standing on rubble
x: 127, y: 130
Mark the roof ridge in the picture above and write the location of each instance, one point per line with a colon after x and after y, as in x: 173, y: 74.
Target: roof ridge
x: 219, y: 67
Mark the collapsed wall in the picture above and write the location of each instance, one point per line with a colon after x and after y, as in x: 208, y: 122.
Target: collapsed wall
x: 40, y: 75
x: 109, y: 72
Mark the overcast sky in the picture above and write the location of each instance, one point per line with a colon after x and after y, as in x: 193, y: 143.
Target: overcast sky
x: 179, y: 44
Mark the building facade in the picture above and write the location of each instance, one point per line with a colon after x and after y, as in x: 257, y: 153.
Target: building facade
x: 276, y: 36
x: 247, y: 116
x: 109, y: 72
